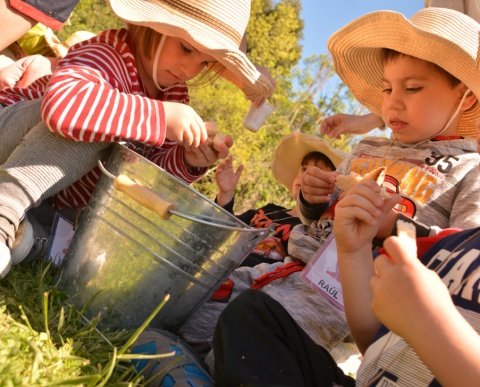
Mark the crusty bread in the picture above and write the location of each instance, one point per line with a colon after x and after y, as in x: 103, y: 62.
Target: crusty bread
x: 345, y: 182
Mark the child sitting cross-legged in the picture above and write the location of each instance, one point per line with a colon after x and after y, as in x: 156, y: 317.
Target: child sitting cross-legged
x: 122, y: 85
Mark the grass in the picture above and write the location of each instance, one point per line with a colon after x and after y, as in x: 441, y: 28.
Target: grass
x: 46, y: 342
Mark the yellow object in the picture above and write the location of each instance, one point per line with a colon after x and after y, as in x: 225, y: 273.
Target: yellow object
x: 34, y: 42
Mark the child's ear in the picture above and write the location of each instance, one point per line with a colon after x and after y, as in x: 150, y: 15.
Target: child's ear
x: 470, y: 100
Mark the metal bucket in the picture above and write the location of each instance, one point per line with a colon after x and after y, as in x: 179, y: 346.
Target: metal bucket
x: 124, y: 257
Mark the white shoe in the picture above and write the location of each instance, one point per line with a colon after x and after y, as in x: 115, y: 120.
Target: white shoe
x: 23, y: 242
x: 5, y: 260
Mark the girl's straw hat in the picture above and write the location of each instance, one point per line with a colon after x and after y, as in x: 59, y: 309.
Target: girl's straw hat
x: 215, y: 27
x: 291, y: 150
x: 442, y: 36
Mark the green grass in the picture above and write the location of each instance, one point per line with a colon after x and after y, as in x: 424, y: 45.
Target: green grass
x: 46, y: 342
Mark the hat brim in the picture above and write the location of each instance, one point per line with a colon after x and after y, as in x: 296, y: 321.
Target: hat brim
x: 291, y: 150
x: 356, y: 51
x: 223, y: 46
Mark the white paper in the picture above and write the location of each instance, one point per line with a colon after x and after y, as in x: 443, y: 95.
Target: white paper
x: 61, y: 236
x: 322, y: 273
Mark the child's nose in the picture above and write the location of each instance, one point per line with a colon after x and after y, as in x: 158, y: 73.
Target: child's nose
x: 393, y: 100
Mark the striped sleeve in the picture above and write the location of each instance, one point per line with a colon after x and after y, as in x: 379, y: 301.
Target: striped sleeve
x: 91, y: 98
x: 12, y: 95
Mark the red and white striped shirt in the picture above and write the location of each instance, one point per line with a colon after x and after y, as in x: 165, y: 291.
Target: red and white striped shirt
x: 95, y: 94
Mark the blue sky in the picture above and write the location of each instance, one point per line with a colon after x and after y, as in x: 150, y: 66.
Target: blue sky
x: 324, y: 17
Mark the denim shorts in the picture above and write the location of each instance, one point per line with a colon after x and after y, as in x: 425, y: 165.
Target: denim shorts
x: 52, y: 13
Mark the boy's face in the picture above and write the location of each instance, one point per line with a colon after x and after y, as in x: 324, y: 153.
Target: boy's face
x: 418, y: 99
x: 297, y: 182
x: 178, y: 62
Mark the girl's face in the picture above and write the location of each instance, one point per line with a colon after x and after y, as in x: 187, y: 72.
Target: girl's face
x: 419, y: 100
x: 178, y: 62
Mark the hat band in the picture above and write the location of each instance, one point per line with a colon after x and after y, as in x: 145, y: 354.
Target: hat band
x: 205, y: 18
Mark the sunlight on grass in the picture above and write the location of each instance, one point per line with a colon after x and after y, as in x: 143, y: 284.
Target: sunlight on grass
x: 44, y: 341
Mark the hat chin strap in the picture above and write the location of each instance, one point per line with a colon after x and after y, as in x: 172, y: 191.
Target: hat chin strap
x: 155, y: 63
x: 454, y: 115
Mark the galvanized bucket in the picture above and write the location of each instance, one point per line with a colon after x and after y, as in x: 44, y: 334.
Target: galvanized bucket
x: 125, y: 257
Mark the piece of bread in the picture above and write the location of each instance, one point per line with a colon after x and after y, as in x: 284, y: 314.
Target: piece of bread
x: 407, y: 233
x: 345, y: 182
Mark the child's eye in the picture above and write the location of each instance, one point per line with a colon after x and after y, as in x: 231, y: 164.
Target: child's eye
x: 412, y: 90
x: 185, y: 49
x: 387, y: 90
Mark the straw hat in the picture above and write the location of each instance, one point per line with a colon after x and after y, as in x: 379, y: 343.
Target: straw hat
x: 442, y: 36
x: 215, y: 27
x: 291, y: 150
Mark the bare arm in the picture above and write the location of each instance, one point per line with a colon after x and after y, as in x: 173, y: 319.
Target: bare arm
x: 412, y: 301
x: 12, y: 25
x: 341, y: 123
x: 358, y: 216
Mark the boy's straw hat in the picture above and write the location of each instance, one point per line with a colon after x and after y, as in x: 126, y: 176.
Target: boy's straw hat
x: 442, y: 36
x: 291, y: 150
x: 215, y: 27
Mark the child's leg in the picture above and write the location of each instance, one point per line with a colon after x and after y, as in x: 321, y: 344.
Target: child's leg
x: 40, y: 166
x: 257, y: 342
x: 15, y: 121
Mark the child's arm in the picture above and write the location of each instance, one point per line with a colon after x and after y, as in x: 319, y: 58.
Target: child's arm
x: 358, y: 216
x: 412, y: 301
x: 340, y: 123
x: 91, y: 97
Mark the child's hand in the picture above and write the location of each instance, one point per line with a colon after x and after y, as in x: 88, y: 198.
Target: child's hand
x: 264, y: 71
x: 317, y: 184
x: 407, y: 295
x: 359, y: 214
x: 209, y: 153
x: 226, y: 177
x: 184, y: 125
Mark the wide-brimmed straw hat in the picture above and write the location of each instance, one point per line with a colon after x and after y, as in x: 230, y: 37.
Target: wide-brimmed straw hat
x: 442, y: 36
x: 215, y: 27
x: 291, y: 150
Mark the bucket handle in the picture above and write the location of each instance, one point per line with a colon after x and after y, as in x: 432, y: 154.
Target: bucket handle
x: 143, y: 196
x: 150, y: 200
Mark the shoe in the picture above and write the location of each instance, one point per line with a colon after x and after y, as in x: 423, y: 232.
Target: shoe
x: 23, y: 242
x: 40, y: 240
x: 31, y: 241
x: 183, y: 369
x: 5, y: 260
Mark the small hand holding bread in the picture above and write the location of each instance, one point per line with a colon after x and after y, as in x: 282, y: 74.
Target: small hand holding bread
x: 345, y: 182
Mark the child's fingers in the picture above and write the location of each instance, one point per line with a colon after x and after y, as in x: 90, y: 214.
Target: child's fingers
x: 382, y: 263
x: 398, y: 250
x: 364, y: 196
x: 239, y: 170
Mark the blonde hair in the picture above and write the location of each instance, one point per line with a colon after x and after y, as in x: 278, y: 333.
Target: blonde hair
x: 147, y: 40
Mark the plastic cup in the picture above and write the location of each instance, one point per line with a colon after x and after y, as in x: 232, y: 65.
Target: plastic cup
x: 257, y: 115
